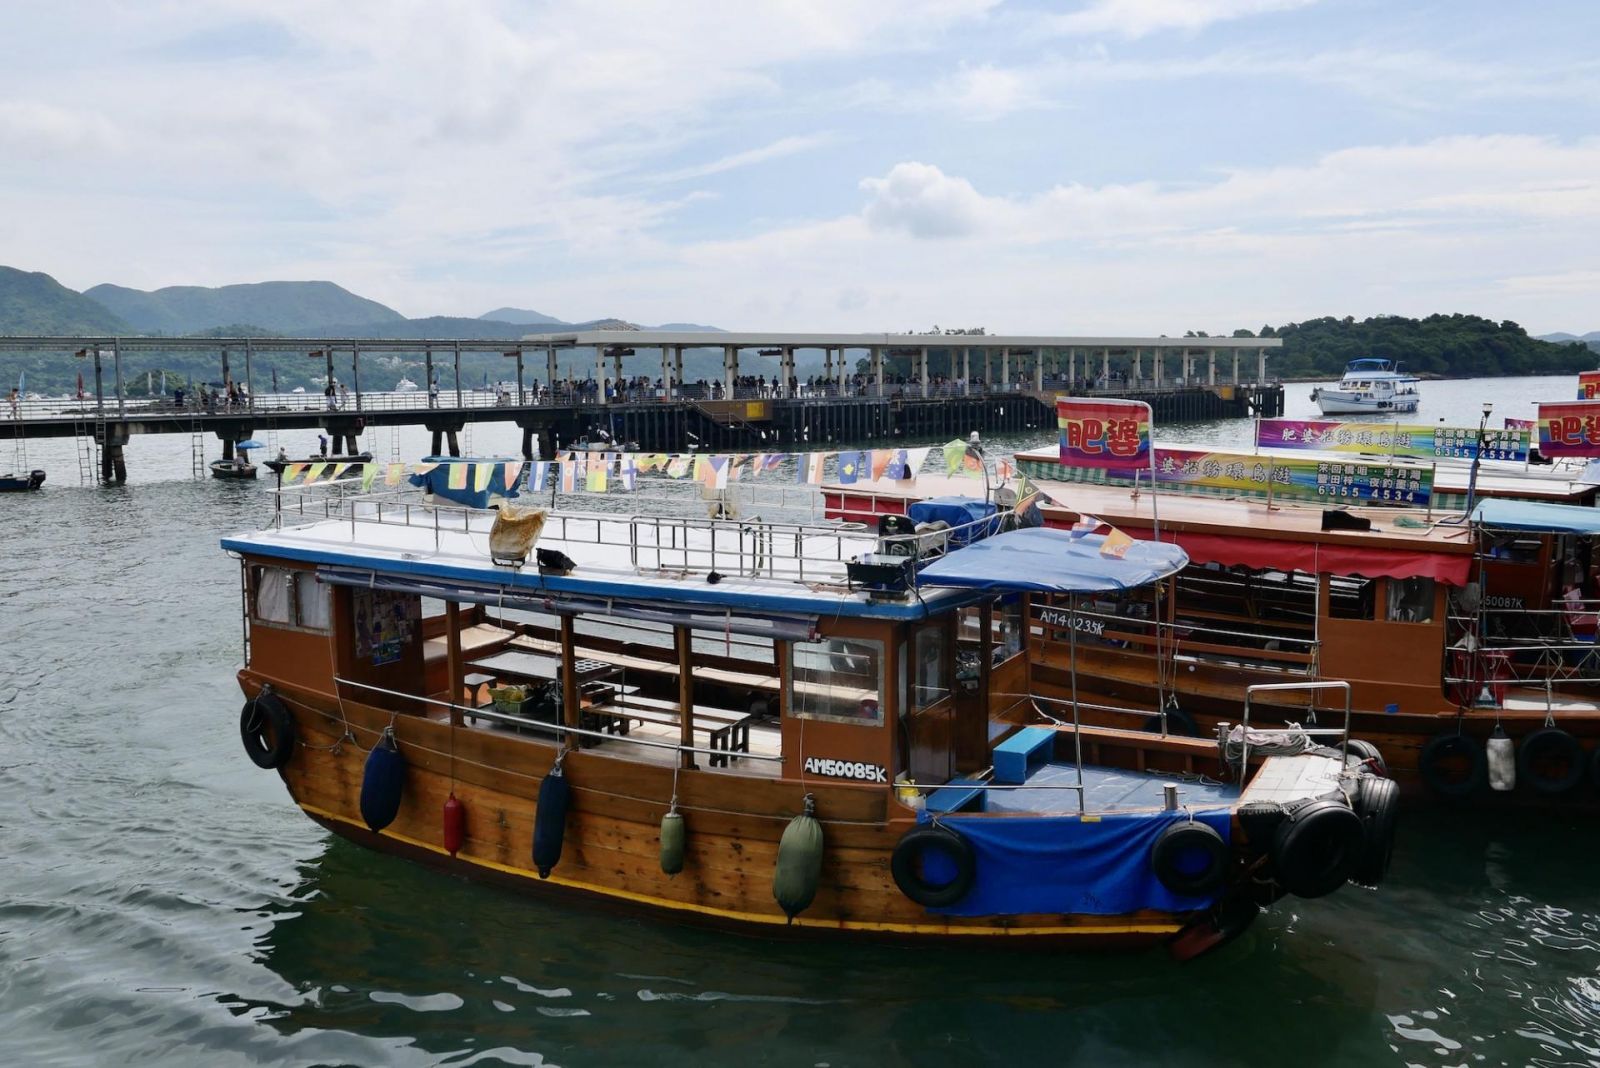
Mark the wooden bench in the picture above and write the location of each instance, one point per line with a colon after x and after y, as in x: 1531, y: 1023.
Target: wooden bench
x: 1019, y: 755
x: 720, y: 676
x: 728, y: 731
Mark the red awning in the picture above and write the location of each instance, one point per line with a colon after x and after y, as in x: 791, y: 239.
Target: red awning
x: 1230, y: 550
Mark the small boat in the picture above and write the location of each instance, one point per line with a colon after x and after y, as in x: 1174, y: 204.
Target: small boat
x: 237, y: 468
x: 405, y: 385
x: 1370, y: 386
x: 280, y: 464
x: 835, y: 734
x: 10, y: 483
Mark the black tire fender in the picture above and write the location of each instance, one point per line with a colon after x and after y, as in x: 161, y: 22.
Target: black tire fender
x: 267, y: 730
x: 1442, y: 747
x: 905, y: 864
x: 1544, y: 744
x: 1318, y: 847
x: 1377, y: 802
x: 1171, y: 858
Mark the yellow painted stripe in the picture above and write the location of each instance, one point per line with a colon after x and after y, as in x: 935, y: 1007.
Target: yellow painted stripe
x: 763, y: 918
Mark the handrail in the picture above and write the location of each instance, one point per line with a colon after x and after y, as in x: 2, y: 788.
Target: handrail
x: 1266, y: 687
x: 560, y: 728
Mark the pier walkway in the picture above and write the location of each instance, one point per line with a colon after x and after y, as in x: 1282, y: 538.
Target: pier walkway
x: 951, y: 388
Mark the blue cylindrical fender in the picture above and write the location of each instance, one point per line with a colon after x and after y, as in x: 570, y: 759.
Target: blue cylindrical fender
x: 383, y: 782
x: 550, y: 821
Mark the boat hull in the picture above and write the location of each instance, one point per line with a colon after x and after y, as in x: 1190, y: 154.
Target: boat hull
x: 22, y: 483
x: 1335, y: 402
x: 610, y: 856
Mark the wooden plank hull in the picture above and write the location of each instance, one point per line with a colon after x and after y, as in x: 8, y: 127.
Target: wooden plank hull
x: 611, y: 847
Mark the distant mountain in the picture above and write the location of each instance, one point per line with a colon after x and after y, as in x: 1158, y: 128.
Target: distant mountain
x: 521, y: 316
x: 690, y: 328
x: 35, y: 303
x: 278, y: 306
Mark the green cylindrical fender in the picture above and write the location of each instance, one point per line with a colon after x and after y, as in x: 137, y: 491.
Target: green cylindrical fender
x: 799, y: 869
x: 672, y: 839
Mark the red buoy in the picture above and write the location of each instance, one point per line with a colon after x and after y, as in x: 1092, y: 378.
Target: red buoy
x: 455, y: 824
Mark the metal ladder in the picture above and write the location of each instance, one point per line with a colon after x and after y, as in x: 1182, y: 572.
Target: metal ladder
x: 88, y: 448
x: 394, y: 444
x: 197, y: 447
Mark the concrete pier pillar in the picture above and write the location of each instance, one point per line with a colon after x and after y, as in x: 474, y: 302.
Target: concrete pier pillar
x: 1211, y: 367
x: 455, y: 443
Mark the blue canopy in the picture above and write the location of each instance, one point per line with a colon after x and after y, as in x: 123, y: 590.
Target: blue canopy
x: 1046, y: 560
x: 1501, y: 513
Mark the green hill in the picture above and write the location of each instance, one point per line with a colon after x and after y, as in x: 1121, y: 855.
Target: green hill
x: 1455, y: 346
x: 280, y: 306
x: 35, y: 303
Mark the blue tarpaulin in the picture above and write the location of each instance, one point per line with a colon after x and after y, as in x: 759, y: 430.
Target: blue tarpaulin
x: 1044, y: 560
x: 959, y: 512
x: 437, y: 481
x: 1501, y: 513
x: 1063, y: 864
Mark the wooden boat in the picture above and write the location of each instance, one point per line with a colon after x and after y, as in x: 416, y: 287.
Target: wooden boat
x: 237, y: 468
x: 10, y: 483
x: 1446, y: 628
x: 279, y: 464
x: 768, y: 727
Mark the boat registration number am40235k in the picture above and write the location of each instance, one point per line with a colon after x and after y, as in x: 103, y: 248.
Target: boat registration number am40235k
x: 1060, y: 617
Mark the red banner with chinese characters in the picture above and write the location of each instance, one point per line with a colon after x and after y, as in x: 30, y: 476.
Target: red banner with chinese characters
x: 1103, y: 433
x: 1588, y: 385
x: 1569, y: 428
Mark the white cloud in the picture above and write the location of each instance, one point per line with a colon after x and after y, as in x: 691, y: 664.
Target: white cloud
x: 923, y: 201
x: 1138, y: 18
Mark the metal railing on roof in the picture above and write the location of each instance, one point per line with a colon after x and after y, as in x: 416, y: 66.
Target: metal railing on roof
x: 816, y: 553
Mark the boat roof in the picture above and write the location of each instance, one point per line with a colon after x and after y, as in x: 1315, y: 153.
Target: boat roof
x: 733, y: 567
x: 1495, y: 478
x: 1041, y: 560
x: 1499, y: 514
x: 1236, y: 516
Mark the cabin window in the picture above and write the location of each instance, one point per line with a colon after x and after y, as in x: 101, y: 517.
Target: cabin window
x: 837, y: 679
x: 932, y: 667
x: 1007, y: 629
x: 272, y: 595
x: 1350, y: 597
x: 312, y: 601
x: 1411, y: 600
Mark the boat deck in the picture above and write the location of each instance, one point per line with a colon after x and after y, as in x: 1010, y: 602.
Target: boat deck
x: 1106, y: 790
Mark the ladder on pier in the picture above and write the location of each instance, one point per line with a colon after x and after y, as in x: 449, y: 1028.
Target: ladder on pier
x: 88, y: 449
x: 394, y: 444
x: 197, y: 447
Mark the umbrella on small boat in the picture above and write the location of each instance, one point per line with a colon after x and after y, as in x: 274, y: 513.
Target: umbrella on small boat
x: 246, y: 446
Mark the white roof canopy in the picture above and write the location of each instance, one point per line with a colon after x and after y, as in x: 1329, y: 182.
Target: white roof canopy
x: 651, y: 339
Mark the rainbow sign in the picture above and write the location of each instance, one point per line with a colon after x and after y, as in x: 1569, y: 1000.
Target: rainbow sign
x: 1297, y: 478
x: 1395, y: 440
x: 1103, y: 433
x: 1569, y: 428
x: 1588, y: 385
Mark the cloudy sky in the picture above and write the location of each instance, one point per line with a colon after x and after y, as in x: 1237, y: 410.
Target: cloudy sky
x: 1085, y: 166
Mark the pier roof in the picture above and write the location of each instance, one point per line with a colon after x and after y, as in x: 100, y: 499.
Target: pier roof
x: 824, y: 339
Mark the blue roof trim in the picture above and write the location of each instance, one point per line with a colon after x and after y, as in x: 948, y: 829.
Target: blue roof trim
x: 1046, y: 560
x: 743, y: 601
x: 1501, y: 513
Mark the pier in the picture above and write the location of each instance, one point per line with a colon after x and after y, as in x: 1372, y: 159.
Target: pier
x: 872, y: 387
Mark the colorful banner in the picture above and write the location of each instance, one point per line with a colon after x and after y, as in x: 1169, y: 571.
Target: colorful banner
x: 1407, y: 441
x: 1520, y: 424
x: 1569, y: 428
x: 1588, y: 384
x: 1101, y: 433
x: 1297, y: 478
